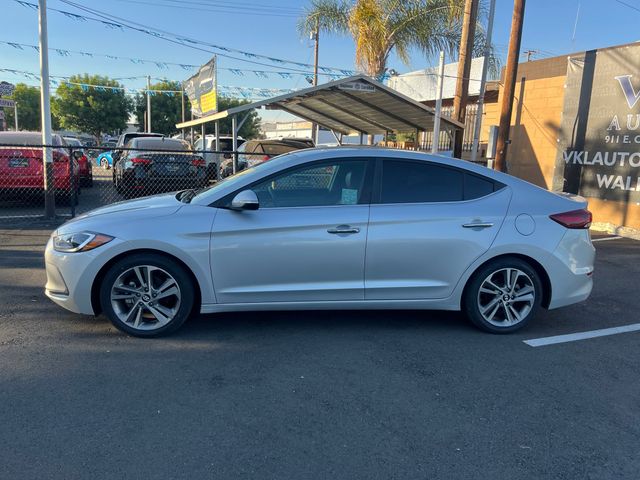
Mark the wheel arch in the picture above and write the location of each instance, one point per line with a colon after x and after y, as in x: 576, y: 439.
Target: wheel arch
x: 97, y: 281
x: 537, y: 266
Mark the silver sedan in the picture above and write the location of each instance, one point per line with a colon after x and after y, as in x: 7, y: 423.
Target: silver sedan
x: 340, y: 228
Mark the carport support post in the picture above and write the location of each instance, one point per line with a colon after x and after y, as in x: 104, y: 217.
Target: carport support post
x: 217, y: 130
x: 361, y: 138
x: 47, y: 153
x: 148, y: 103
x: 182, y: 105
x: 234, y: 145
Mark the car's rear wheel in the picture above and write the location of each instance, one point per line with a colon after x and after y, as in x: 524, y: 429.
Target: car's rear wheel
x: 503, y: 296
x: 147, y: 295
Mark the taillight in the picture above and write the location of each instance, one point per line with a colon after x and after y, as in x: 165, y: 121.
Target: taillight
x: 265, y: 158
x: 141, y: 161
x: 198, y: 162
x: 575, y: 219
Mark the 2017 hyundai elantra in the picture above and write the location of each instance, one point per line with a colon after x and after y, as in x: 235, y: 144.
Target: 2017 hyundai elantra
x: 339, y: 228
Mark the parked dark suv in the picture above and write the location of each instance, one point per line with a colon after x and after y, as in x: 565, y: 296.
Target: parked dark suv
x: 253, y: 152
x: 155, y: 165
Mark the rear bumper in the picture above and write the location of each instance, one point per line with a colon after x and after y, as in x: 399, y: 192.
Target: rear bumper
x: 572, y: 273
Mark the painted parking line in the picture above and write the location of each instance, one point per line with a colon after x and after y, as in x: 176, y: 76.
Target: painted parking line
x: 573, y: 337
x: 604, y: 239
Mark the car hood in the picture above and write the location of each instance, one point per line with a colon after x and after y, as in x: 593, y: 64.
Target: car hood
x: 125, y: 212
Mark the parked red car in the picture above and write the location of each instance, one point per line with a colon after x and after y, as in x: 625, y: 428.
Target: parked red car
x: 21, y: 166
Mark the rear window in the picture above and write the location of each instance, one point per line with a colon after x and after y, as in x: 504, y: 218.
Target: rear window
x: 13, y: 138
x: 160, y: 144
x: 278, y: 148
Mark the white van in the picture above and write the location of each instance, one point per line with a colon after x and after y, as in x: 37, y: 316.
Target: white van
x: 213, y: 158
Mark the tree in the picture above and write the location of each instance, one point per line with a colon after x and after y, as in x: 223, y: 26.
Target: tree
x: 166, y: 107
x: 92, y: 104
x: 28, y: 99
x: 380, y: 27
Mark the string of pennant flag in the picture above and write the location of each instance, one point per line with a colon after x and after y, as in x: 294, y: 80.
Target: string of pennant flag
x: 223, y: 90
x: 187, y: 41
x: 163, y: 65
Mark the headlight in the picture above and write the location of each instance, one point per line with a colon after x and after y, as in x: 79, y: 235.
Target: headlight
x: 79, y: 242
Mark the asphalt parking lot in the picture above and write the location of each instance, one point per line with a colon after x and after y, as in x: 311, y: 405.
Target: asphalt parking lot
x: 317, y: 394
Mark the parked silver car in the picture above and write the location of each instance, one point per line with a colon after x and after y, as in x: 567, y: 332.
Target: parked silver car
x: 339, y: 228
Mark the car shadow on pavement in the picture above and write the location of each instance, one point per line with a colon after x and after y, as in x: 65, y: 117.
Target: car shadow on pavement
x: 322, y: 320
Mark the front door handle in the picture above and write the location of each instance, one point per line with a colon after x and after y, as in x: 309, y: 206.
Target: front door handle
x: 477, y: 225
x: 343, y: 229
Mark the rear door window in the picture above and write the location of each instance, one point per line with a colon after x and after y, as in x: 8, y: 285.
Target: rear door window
x: 419, y: 182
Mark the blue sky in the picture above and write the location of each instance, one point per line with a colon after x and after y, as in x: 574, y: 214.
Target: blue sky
x: 549, y: 26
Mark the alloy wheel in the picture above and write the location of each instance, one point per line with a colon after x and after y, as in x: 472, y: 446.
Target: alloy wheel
x: 506, y: 297
x: 145, y: 297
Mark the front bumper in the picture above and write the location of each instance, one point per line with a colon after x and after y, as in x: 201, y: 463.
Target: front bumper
x: 70, y: 276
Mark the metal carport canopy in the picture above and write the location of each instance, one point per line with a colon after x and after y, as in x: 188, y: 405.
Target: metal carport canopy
x: 352, y: 105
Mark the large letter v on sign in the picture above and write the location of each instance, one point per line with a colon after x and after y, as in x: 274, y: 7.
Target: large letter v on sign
x: 628, y: 90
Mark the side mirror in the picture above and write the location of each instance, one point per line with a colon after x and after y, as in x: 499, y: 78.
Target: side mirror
x: 77, y: 154
x: 245, y: 200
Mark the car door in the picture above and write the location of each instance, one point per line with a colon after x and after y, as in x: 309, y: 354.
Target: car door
x: 305, y: 243
x: 428, y: 223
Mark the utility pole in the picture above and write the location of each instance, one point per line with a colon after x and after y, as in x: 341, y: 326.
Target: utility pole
x: 529, y: 54
x: 464, y: 70
x: 45, y: 103
x: 483, y: 82
x: 148, y: 103
x: 435, y: 144
x: 15, y: 114
x: 316, y: 37
x: 508, y: 93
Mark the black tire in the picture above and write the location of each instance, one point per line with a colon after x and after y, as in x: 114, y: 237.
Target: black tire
x: 181, y: 277
x: 473, y: 297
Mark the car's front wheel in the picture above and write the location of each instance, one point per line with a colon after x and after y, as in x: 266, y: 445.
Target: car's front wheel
x: 147, y: 295
x: 503, y: 296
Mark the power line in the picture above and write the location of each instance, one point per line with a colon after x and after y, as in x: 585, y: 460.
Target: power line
x: 221, y: 9
x: 183, y: 40
x: 632, y: 7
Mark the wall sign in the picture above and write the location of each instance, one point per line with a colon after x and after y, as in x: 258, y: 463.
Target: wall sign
x: 599, y: 141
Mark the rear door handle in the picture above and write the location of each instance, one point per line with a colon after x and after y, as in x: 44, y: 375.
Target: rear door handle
x: 343, y: 229
x: 477, y: 225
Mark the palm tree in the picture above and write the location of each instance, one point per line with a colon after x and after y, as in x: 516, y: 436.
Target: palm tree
x: 380, y: 27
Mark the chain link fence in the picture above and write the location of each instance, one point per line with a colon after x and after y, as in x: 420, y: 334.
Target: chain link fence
x: 82, y: 179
